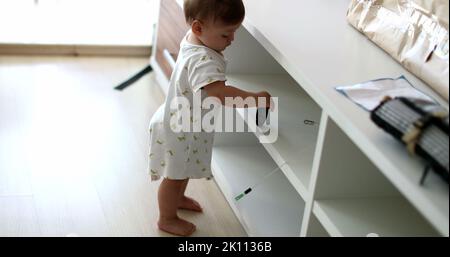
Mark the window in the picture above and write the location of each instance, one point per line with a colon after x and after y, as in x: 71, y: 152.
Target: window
x: 93, y: 22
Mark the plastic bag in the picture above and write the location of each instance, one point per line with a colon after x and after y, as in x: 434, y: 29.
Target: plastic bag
x: 414, y: 32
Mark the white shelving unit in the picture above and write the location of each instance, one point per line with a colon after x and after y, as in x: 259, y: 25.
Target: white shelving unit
x: 343, y: 175
x: 273, y: 208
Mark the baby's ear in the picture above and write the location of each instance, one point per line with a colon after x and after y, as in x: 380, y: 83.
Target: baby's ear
x: 197, y: 28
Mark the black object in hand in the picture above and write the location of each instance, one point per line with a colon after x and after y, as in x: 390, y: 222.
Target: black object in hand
x: 260, y: 117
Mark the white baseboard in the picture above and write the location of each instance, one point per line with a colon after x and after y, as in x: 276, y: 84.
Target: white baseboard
x: 75, y: 50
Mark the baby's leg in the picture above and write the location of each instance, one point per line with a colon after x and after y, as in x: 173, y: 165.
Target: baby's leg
x: 168, y: 199
x: 188, y: 203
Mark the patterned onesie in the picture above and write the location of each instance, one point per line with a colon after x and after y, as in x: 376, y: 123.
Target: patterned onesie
x: 183, y: 155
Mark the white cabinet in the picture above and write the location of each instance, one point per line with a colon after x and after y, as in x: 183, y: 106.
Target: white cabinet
x: 340, y: 175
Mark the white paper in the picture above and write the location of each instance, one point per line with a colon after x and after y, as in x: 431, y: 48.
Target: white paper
x: 370, y: 94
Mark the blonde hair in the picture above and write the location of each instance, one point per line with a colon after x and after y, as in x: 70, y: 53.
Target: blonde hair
x: 230, y: 12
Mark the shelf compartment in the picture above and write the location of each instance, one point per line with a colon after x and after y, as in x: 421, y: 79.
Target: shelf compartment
x: 360, y: 217
x: 352, y: 197
x: 273, y: 208
x: 296, y: 141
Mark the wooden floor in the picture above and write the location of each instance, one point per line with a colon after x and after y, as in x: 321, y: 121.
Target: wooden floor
x: 73, y: 152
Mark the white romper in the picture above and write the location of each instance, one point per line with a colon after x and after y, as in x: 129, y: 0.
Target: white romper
x: 185, y: 155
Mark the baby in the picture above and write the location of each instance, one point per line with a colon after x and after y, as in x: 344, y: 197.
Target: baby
x: 199, y: 71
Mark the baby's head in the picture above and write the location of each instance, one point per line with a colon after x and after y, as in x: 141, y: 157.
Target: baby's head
x: 214, y: 22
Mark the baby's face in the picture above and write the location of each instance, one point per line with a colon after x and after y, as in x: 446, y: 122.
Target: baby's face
x: 218, y: 36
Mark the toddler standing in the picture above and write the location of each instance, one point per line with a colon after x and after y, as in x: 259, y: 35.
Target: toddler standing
x: 199, y: 71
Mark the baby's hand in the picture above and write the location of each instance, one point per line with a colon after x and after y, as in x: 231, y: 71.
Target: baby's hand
x: 269, y: 102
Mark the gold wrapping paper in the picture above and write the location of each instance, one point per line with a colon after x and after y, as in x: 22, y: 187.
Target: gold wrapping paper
x: 414, y: 32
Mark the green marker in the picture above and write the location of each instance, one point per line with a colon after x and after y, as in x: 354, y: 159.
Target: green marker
x: 246, y: 192
x: 239, y: 197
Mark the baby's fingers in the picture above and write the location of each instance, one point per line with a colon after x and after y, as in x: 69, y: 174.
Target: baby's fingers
x: 272, y: 105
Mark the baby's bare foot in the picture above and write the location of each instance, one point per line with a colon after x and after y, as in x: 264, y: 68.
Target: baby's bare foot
x: 177, y: 226
x: 190, y: 204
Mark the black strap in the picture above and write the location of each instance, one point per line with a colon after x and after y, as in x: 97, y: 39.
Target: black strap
x: 135, y: 78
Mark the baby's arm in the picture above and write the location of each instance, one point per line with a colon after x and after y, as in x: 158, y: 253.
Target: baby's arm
x: 221, y: 91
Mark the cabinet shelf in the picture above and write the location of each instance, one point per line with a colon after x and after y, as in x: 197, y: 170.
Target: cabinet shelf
x: 385, y: 217
x: 296, y: 141
x: 273, y: 208
x: 319, y: 68
x: 351, y: 174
